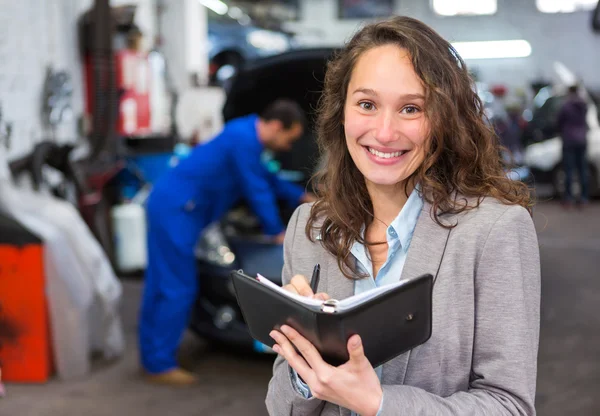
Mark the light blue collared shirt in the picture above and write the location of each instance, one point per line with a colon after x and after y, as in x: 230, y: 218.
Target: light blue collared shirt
x: 399, y: 235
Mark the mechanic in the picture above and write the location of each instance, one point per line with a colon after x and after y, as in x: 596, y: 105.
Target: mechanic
x: 193, y: 194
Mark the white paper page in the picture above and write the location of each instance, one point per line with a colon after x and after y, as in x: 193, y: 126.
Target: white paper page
x: 353, y: 301
x: 312, y: 303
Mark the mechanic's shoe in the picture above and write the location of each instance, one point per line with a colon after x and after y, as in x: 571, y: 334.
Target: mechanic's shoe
x: 174, y: 377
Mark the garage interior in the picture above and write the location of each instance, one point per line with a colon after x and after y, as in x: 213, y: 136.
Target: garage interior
x: 100, y: 98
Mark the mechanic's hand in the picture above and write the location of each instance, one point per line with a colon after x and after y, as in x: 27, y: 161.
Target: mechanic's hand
x: 278, y: 239
x: 300, y: 286
x: 353, y: 385
x: 308, y: 197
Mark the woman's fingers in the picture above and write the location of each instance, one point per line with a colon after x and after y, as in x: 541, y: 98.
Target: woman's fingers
x: 322, y: 296
x: 305, y: 347
x: 301, y: 285
x: 285, y: 348
x: 290, y: 288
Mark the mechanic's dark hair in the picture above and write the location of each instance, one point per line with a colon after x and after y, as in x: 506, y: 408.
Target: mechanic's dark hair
x: 573, y: 89
x: 462, y: 163
x: 286, y: 111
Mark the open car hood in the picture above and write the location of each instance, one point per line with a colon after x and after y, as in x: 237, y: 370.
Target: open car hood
x: 297, y: 75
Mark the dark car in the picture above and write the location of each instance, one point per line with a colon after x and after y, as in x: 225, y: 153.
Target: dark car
x: 237, y: 242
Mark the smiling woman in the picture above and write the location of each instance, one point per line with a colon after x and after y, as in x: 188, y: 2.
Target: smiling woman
x: 413, y: 183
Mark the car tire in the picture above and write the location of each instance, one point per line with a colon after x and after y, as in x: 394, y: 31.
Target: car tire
x: 559, y: 182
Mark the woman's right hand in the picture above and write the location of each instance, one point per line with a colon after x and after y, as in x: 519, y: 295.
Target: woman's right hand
x: 300, y: 286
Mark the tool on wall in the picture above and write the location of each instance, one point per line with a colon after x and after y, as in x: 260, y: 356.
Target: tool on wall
x: 5, y: 131
x: 56, y: 101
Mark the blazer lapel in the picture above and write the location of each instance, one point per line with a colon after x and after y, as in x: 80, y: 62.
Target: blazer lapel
x: 427, y: 246
x: 337, y: 285
x: 424, y: 256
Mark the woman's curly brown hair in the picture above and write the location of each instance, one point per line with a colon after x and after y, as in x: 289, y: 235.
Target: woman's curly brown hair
x: 463, y: 157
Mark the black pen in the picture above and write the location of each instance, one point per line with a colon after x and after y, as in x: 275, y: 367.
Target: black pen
x: 314, y: 281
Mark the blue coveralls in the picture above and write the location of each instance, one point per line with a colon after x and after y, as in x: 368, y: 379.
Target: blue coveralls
x: 196, y: 192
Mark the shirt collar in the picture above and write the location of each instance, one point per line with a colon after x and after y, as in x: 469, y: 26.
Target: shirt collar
x: 403, y: 225
x: 406, y: 221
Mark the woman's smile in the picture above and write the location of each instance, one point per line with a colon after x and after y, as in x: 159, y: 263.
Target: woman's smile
x: 385, y: 157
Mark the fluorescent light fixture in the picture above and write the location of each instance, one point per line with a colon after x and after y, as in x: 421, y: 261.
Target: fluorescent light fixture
x: 493, y: 49
x: 565, y: 6
x: 216, y: 6
x: 464, y: 7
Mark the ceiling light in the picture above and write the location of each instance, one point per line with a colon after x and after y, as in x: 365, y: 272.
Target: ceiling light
x: 565, y: 6
x: 464, y: 7
x: 493, y: 49
x: 216, y: 6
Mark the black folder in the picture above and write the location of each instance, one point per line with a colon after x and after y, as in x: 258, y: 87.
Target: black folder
x: 390, y: 320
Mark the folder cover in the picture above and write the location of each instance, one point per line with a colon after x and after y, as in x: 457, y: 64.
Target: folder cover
x: 390, y: 320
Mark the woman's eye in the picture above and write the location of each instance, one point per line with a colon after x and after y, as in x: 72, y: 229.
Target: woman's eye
x: 410, y: 109
x: 365, y: 105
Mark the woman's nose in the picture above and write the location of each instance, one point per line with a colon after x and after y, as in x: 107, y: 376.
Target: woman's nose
x: 387, y: 129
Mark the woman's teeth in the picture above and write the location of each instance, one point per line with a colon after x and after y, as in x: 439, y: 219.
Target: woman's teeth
x: 386, y: 155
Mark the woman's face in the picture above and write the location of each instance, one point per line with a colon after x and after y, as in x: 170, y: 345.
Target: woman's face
x: 384, y: 119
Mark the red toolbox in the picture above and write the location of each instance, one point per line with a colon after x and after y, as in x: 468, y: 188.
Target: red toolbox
x: 25, y: 344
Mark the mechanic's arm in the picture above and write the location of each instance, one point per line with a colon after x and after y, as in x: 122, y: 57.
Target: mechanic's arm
x: 254, y: 180
x: 291, y: 193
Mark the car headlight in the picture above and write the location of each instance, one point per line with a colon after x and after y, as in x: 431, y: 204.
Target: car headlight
x: 544, y: 155
x: 212, y: 247
x: 267, y: 40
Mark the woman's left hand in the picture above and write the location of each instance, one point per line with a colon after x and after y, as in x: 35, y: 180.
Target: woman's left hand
x: 353, y: 385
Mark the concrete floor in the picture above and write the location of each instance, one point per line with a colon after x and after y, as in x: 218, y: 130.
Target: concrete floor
x: 234, y: 383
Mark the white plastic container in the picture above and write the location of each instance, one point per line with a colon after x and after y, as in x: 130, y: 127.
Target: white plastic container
x: 129, y: 230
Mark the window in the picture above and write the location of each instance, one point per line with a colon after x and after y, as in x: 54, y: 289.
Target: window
x: 464, y: 7
x: 365, y: 9
x: 565, y: 6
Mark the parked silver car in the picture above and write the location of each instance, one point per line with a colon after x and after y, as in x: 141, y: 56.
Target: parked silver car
x: 232, y: 41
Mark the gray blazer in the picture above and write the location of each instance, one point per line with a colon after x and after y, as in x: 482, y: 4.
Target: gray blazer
x: 481, y: 358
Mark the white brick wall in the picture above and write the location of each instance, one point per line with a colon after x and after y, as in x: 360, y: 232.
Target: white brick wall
x: 35, y: 34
